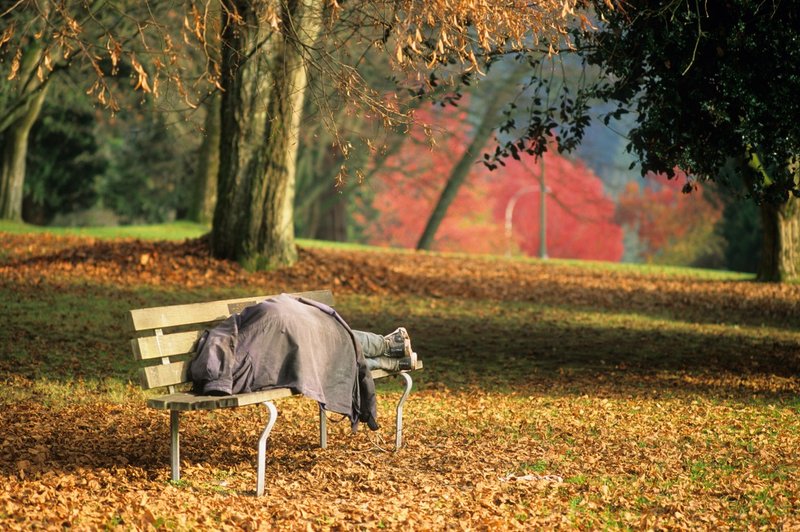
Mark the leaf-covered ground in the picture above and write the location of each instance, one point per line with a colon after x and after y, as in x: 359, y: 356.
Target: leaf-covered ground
x: 553, y: 396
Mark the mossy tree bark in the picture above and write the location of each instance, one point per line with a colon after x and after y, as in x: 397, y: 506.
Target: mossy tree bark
x: 780, y: 255
x: 264, y: 82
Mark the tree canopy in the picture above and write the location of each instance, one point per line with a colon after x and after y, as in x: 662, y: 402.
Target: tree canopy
x: 710, y: 81
x: 268, y: 51
x: 712, y: 87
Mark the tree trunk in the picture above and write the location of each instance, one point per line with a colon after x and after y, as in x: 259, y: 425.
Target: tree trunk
x: 332, y: 224
x: 205, y: 193
x: 780, y: 255
x: 264, y: 81
x: 14, y: 140
x: 459, y: 173
x: 15, y: 126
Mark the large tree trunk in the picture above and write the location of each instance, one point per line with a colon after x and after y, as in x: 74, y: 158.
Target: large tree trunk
x: 14, y: 142
x: 204, y: 195
x: 780, y: 255
x: 264, y: 81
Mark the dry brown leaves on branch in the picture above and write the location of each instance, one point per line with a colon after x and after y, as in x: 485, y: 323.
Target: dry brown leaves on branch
x: 463, y: 28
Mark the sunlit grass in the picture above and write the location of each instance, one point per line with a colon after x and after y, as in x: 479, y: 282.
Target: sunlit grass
x: 58, y: 393
x: 170, y: 231
x: 656, y: 269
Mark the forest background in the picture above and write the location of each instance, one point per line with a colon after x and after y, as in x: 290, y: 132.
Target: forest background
x: 141, y: 164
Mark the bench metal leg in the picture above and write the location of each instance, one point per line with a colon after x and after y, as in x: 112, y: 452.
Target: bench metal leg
x: 262, y: 447
x: 398, y: 438
x: 323, y: 428
x: 175, y: 444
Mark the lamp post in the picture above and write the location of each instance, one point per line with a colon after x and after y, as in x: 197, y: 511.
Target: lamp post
x: 542, y: 190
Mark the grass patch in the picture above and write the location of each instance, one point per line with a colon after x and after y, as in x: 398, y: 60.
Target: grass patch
x: 657, y: 269
x: 170, y: 231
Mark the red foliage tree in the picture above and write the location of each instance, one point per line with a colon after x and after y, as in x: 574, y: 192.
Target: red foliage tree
x: 406, y: 189
x: 672, y: 227
x: 579, y: 221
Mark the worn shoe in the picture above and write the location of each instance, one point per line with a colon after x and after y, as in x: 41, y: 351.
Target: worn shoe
x: 408, y: 363
x: 392, y: 364
x: 398, y: 343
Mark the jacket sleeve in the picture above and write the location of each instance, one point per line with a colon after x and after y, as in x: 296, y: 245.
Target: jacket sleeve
x: 211, y: 370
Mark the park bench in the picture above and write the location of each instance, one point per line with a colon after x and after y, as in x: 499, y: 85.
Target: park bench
x: 164, y: 342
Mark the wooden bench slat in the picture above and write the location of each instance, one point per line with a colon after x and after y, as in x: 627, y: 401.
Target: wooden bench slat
x: 187, y: 401
x: 196, y: 313
x: 165, y: 345
x: 164, y: 374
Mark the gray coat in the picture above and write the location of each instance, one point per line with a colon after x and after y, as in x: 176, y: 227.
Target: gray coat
x: 287, y: 342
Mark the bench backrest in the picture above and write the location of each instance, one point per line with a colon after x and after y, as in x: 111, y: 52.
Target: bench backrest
x: 165, y: 337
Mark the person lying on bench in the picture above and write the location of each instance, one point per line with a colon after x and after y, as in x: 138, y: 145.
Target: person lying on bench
x: 301, y: 344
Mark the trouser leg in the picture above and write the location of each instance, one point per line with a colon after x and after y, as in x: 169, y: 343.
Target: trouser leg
x: 377, y: 353
x: 374, y: 349
x: 372, y: 345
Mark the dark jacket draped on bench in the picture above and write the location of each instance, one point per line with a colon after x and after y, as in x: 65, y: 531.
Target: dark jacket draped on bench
x: 287, y: 342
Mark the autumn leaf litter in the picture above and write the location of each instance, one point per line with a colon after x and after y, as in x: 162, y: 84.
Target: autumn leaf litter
x: 694, y: 447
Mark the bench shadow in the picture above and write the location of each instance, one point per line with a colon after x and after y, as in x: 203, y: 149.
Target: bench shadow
x: 498, y: 353
x: 462, y: 343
